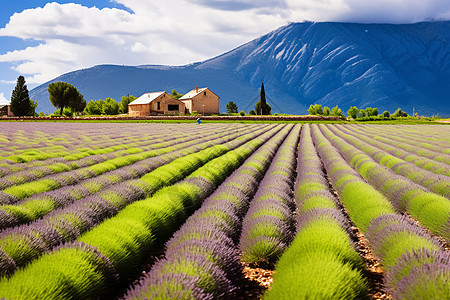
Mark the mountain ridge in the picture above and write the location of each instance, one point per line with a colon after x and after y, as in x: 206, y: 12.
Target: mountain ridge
x: 346, y: 64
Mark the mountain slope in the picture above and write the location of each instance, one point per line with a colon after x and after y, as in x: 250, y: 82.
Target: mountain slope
x: 379, y: 65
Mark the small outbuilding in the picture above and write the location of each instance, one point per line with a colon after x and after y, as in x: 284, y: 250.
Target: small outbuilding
x: 203, y: 101
x: 5, y: 109
x: 156, y: 103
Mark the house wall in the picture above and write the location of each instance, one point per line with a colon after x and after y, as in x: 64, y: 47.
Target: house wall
x: 172, y: 101
x: 210, y: 101
x: 139, y: 110
x: 188, y: 105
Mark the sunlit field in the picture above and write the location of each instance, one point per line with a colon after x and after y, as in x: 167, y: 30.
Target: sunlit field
x: 167, y: 211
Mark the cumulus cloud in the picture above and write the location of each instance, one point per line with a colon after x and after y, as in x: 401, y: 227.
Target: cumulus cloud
x: 3, y: 100
x: 73, y: 36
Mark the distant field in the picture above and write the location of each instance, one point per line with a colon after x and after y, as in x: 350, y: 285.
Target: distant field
x: 224, y: 210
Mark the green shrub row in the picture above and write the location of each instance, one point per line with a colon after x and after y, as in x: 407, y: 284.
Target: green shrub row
x: 126, y: 239
x: 400, y: 154
x: 432, y: 210
x: 362, y: 200
x: 267, y: 227
x: 29, y: 242
x: 203, y: 248
x: 25, y: 190
x: 321, y: 262
x: 41, y: 205
x: 406, y: 144
x: 439, y: 184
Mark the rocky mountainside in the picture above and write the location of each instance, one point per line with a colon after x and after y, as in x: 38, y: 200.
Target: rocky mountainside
x: 378, y: 65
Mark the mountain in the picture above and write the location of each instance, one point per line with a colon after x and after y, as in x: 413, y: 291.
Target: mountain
x: 378, y: 65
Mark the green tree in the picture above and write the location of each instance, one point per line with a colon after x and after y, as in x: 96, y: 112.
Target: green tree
x: 315, y: 109
x: 232, y: 108
x: 263, y: 107
x: 63, y: 94
x: 326, y: 111
x: 375, y: 112
x: 386, y: 114
x: 353, y: 112
x: 242, y: 113
x: 123, y: 105
x: 258, y: 108
x: 337, y: 112
x: 110, y: 107
x: 362, y: 113
x: 399, y: 113
x: 20, y: 100
x: 175, y: 94
x: 252, y: 113
x: 33, y: 105
x: 93, y: 108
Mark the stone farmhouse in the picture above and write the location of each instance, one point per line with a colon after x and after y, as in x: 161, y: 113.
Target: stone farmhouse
x: 156, y: 103
x: 202, y: 101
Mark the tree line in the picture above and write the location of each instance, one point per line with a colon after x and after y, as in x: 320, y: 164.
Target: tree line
x: 69, y: 101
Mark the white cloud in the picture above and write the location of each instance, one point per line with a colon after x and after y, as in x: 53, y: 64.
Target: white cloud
x: 174, y: 32
x: 3, y: 100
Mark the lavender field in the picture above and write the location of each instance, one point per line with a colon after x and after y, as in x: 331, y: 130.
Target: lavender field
x: 224, y: 211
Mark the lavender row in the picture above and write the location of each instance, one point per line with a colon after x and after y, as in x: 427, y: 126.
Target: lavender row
x: 127, y: 239
x: 321, y: 262
x: 88, y: 158
x: 90, y: 164
x: 391, y: 238
x: 200, y: 259
x: 434, y: 137
x: 420, y: 161
x: 89, y: 147
x: 432, y: 210
x: 268, y: 226
x: 415, y: 265
x: 407, y: 145
x: 27, y: 242
x: 71, y: 177
x: 43, y: 203
x: 437, y: 183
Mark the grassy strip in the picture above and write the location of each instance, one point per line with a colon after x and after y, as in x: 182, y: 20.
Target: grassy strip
x: 200, y: 259
x: 126, y: 239
x: 321, y: 263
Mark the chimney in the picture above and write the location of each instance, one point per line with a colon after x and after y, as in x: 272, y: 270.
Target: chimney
x: 196, y: 89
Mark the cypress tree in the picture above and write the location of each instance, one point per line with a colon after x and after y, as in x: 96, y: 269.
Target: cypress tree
x: 20, y: 100
x: 262, y: 98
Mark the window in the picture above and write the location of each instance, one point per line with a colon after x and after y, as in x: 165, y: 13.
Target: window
x: 173, y: 107
x: 204, y: 93
x: 158, y: 105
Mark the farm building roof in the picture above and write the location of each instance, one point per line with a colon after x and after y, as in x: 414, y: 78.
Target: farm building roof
x: 147, y: 98
x: 193, y: 93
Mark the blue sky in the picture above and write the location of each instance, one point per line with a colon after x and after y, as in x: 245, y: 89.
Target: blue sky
x: 42, y: 39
